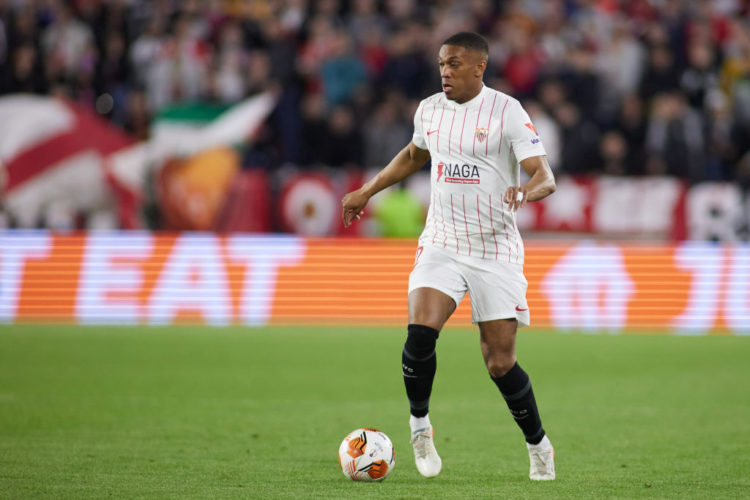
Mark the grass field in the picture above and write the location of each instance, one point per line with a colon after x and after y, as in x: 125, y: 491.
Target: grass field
x: 184, y: 412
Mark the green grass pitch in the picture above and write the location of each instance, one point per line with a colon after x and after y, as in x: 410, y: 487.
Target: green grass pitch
x: 192, y: 412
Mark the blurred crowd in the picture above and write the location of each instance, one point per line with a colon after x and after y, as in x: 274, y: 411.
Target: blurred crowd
x: 621, y: 87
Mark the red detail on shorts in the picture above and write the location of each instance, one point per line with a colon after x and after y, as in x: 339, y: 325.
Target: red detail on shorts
x: 521, y: 310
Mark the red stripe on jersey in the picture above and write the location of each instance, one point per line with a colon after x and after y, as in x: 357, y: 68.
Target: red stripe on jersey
x: 442, y: 216
x: 477, y: 126
x: 421, y: 118
x: 461, y: 139
x: 502, y: 123
x: 450, y: 134
x: 434, y: 107
x: 505, y: 228
x: 492, y: 225
x: 481, y: 233
x: 515, y: 235
x: 463, y: 200
x: 437, y: 139
x: 453, y: 212
x: 489, y: 123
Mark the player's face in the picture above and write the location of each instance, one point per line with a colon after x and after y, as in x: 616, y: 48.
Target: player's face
x: 461, y: 71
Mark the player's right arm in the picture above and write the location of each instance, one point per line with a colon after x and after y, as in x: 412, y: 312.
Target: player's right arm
x: 406, y: 162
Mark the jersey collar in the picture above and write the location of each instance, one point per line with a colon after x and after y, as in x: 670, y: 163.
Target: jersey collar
x: 473, y: 102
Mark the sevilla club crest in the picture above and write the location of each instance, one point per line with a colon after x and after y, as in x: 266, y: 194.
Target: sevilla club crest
x: 481, y: 133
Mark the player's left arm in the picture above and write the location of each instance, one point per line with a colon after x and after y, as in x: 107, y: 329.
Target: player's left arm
x: 540, y: 185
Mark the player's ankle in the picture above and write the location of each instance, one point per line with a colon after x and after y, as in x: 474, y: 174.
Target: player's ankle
x: 417, y: 423
x: 544, y: 443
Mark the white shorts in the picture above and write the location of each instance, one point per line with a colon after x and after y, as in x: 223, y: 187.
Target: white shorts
x: 497, y: 289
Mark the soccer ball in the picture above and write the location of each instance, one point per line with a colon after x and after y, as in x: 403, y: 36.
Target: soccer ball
x: 366, y: 455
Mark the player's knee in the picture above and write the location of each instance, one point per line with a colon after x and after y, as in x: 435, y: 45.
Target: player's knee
x: 498, y: 364
x: 431, y: 318
x: 420, y: 342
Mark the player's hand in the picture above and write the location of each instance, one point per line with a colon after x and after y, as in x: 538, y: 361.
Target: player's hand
x: 352, y: 206
x: 515, y: 197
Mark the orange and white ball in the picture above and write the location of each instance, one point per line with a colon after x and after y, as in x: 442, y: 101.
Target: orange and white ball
x: 367, y: 455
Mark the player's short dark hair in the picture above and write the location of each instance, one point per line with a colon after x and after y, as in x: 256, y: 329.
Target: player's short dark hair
x: 469, y: 40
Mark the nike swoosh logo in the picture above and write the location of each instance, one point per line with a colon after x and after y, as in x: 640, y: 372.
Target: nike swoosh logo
x: 431, y: 132
x: 521, y: 310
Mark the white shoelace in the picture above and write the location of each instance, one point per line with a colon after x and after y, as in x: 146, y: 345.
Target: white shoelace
x: 541, y: 461
x: 421, y: 441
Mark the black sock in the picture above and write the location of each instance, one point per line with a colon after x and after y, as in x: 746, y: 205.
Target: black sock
x: 515, y: 387
x: 418, y: 364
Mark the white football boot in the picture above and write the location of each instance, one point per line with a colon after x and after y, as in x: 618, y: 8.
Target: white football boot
x: 542, y: 460
x: 425, y: 455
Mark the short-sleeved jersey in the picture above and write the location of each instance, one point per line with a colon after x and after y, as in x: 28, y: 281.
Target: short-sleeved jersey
x: 476, y: 148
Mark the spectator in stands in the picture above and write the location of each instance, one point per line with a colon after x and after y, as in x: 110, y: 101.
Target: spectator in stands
x: 580, y: 140
x: 67, y: 41
x: 613, y: 151
x: 366, y: 22
x: 24, y: 73
x: 112, y: 75
x: 620, y: 64
x: 406, y: 69
x: 674, y: 139
x: 386, y: 131
x: 700, y: 80
x: 660, y: 74
x: 145, y: 51
x: 137, y: 118
x: 373, y: 51
x: 524, y: 63
x: 342, y: 72
x: 314, y: 128
x: 181, y: 67
x: 342, y: 143
x: 582, y: 82
x: 230, y: 64
x: 631, y: 124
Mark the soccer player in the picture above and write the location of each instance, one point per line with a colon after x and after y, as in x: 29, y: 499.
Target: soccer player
x: 476, y: 138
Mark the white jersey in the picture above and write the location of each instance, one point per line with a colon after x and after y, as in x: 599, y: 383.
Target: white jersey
x: 476, y: 148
